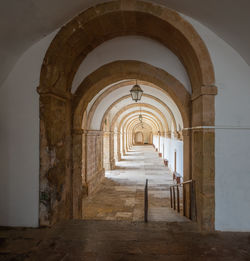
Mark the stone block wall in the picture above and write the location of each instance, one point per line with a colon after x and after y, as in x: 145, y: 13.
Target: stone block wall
x: 94, y: 160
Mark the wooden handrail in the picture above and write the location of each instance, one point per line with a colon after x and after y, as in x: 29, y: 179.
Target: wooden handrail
x: 175, y: 200
x: 146, y: 202
x: 183, y: 183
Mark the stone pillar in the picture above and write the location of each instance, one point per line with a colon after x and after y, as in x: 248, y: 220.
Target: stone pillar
x: 186, y: 154
x: 124, y: 143
x: 127, y: 140
x: 115, y: 145
x: 130, y: 139
x: 55, y: 157
x: 94, y: 163
x: 111, y: 150
x: 118, y: 146
x: 78, y: 164
x: 203, y: 140
x: 187, y: 172
x: 106, y: 150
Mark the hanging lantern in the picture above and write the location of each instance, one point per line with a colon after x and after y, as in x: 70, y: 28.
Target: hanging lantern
x: 136, y: 92
x: 140, y: 117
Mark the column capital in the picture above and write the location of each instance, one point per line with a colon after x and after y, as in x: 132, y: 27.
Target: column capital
x: 94, y: 132
x: 78, y: 131
x: 186, y: 132
x: 168, y: 134
x: 178, y: 135
x: 205, y: 90
x: 43, y: 90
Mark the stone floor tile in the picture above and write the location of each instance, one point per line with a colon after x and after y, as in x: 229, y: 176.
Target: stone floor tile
x: 123, y: 189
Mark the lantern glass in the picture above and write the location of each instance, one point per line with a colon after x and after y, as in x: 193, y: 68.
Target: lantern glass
x: 136, y: 93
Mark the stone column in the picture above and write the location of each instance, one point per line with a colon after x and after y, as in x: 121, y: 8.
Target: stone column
x: 106, y: 150
x: 186, y: 154
x: 78, y: 166
x: 127, y: 140
x: 55, y: 156
x: 111, y: 150
x: 187, y: 173
x: 118, y: 146
x: 203, y: 140
x: 124, y: 143
x: 94, y: 163
x: 130, y: 139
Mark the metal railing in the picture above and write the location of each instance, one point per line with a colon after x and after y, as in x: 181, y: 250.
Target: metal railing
x: 188, y: 203
x: 146, y: 202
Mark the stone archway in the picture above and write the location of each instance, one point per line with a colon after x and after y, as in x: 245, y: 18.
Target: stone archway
x: 117, y: 86
x: 127, y: 123
x: 139, y: 139
x: 132, y: 69
x: 57, y: 134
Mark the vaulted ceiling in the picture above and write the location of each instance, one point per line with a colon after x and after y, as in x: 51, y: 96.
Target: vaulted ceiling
x: 22, y: 23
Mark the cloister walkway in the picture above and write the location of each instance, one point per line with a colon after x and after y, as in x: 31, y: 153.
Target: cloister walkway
x: 121, y: 195
x: 121, y: 198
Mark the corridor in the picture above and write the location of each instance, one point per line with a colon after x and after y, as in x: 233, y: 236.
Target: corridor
x: 121, y: 194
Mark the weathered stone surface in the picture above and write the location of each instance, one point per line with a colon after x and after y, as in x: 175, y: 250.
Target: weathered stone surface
x: 94, y: 160
x: 112, y: 240
x: 121, y: 194
x: 203, y: 173
x: 55, y: 157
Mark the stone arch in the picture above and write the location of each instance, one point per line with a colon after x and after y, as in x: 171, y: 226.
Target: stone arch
x: 108, y: 20
x: 147, y: 128
x: 143, y: 105
x: 57, y: 105
x: 126, y: 118
x: 120, y: 85
x: 126, y: 121
x: 137, y: 134
x: 126, y: 97
x: 156, y: 122
x: 132, y: 126
x: 122, y: 70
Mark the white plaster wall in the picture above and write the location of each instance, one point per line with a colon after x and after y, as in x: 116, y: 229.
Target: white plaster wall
x: 232, y: 134
x: 136, y: 48
x: 156, y: 141
x: 168, y: 150
x: 19, y: 139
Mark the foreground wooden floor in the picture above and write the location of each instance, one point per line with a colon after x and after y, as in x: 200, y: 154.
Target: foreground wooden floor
x: 122, y: 241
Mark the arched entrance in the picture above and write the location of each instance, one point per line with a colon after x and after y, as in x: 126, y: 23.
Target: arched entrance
x: 139, y: 138
x: 61, y: 113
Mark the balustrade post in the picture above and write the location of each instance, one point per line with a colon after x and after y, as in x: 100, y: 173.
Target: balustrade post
x: 174, y: 198
x: 178, y: 198
x: 184, y: 199
x: 171, y: 198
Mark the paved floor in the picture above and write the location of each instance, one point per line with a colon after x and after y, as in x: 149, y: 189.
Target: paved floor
x: 122, y: 241
x: 121, y: 195
x: 103, y: 240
